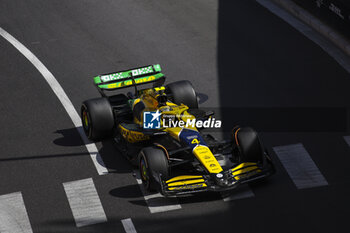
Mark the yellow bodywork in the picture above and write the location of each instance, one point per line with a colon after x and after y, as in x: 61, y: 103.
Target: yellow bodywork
x: 185, y: 177
x: 186, y: 182
x: 174, y: 132
x: 244, y: 170
x: 188, y: 186
x: 148, y: 97
x: 132, y: 136
x: 204, y: 155
x: 130, y: 82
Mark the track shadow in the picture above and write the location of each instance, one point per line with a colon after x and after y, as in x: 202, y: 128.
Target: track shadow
x: 266, y: 83
x: 69, y: 137
x: 113, y: 159
x: 202, y: 97
x: 43, y: 156
x: 129, y: 191
x: 199, y: 198
x: 133, y: 191
x: 68, y: 225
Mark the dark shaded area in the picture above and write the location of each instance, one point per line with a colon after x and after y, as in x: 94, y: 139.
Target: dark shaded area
x: 69, y: 137
x: 303, y: 214
x: 113, y: 159
x: 201, y: 197
x: 66, y: 225
x: 274, y: 79
x: 43, y: 156
x: 202, y: 98
x: 133, y: 191
x: 287, y: 119
x: 334, y: 12
x: 139, y: 203
x: 129, y: 191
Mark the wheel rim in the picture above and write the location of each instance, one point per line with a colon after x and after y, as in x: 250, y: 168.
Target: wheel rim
x: 86, y: 121
x: 144, y: 173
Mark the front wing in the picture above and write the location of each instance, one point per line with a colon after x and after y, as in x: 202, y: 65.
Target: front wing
x: 232, y: 178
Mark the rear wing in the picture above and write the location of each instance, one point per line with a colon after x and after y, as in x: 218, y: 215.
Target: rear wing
x: 129, y: 78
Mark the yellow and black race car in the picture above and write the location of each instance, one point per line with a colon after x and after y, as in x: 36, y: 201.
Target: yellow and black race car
x: 158, y: 129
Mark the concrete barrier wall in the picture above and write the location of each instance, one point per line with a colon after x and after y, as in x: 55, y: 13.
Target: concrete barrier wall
x: 334, y: 12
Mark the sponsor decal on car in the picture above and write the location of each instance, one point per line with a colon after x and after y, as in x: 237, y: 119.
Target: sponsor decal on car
x: 112, y: 77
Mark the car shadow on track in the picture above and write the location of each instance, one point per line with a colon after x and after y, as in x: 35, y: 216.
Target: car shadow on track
x: 128, y: 191
x: 69, y: 137
x: 133, y: 191
x: 47, y: 156
x: 112, y: 158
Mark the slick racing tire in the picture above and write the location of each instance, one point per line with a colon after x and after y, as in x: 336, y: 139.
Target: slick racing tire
x: 249, y: 145
x: 97, y: 118
x: 182, y: 92
x: 153, y: 161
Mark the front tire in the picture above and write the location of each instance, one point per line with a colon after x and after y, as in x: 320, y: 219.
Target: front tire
x: 153, y: 161
x: 97, y: 118
x: 249, y: 145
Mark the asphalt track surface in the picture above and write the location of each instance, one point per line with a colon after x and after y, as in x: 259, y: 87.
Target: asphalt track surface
x: 240, y: 55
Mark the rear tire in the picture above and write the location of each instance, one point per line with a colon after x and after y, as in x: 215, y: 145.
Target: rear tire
x: 97, y: 118
x: 182, y: 92
x: 153, y: 161
x: 249, y: 145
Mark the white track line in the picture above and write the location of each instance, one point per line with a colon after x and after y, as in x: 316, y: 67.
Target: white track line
x: 157, y: 202
x: 62, y: 96
x: 307, y: 31
x: 300, y: 166
x: 128, y: 226
x: 84, y: 202
x: 240, y: 193
x: 13, y: 214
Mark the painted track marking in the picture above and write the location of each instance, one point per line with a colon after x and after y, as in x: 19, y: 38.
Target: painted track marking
x: 84, y: 202
x: 62, y: 96
x: 157, y: 202
x: 13, y: 214
x: 300, y: 166
x: 128, y: 226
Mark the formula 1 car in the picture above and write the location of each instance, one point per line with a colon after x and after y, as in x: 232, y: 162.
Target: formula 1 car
x: 156, y: 129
